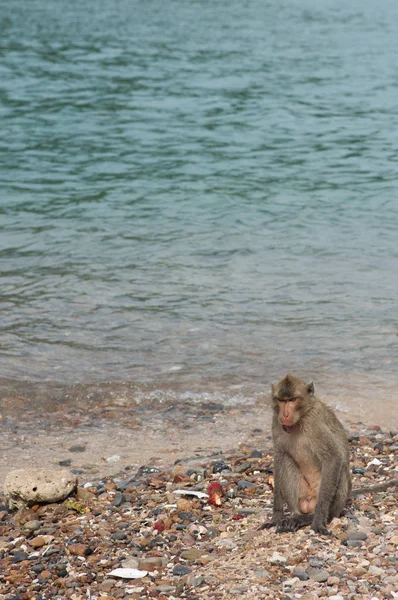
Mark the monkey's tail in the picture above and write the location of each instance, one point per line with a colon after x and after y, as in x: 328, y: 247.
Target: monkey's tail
x: 375, y: 488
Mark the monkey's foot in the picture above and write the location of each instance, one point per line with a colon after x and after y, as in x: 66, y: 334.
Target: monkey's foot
x: 294, y: 523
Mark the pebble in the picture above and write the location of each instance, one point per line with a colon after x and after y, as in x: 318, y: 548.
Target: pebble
x: 357, y: 535
x: 180, y: 570
x: 301, y: 574
x: 319, y: 575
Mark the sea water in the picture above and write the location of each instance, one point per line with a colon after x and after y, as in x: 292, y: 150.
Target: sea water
x: 198, y: 196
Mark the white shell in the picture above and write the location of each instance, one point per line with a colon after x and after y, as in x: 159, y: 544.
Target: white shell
x: 128, y: 573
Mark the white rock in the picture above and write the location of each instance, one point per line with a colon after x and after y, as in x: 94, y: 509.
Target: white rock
x: 277, y: 559
x: 33, y: 486
x: 113, y: 459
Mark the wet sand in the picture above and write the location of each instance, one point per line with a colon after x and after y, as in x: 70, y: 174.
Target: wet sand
x: 107, y: 429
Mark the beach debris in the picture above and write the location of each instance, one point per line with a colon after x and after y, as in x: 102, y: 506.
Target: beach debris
x: 215, y: 493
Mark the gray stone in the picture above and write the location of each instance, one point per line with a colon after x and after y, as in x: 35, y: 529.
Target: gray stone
x: 301, y: 574
x: 261, y: 573
x: 354, y: 543
x: 165, y: 589
x: 31, y: 526
x: 244, y: 485
x: 357, y: 534
x: 34, y: 486
x: 319, y: 575
x: 194, y: 580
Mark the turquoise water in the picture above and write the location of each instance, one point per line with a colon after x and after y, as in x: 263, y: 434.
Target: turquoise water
x: 198, y: 194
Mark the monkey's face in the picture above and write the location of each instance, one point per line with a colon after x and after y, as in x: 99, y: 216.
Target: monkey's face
x: 289, y: 397
x: 289, y: 413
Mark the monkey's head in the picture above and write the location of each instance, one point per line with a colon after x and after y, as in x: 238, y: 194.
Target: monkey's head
x: 291, y: 398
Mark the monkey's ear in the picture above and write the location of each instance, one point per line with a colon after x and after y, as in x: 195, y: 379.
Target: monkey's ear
x: 310, y: 389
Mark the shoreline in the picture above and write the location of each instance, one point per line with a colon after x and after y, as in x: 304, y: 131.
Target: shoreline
x: 190, y: 549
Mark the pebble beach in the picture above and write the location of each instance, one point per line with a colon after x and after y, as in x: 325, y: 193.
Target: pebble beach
x: 145, y: 521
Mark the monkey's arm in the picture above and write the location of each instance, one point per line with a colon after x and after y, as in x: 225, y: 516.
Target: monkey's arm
x: 277, y: 510
x: 380, y: 487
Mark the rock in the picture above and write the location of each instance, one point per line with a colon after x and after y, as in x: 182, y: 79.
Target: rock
x: 262, y: 574
x: 193, y: 554
x: 166, y: 589
x: 220, y: 466
x: 194, y: 580
x: 78, y: 549
x: 319, y: 575
x: 132, y: 563
x: 37, y: 542
x: 77, y: 448
x: 356, y: 534
x: 150, y: 563
x: 243, y: 467
x: 33, y: 486
x: 277, y: 559
x: 180, y: 570
x: 30, y: 526
x: 333, y: 580
x: 119, y: 535
x: 301, y: 574
x: 85, y: 495
x: 19, y: 557
x: 113, y: 459
x: 244, y: 485
x: 354, y: 543
x: 65, y: 463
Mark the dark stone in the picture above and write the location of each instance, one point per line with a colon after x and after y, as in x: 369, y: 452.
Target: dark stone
x: 19, y: 557
x: 77, y: 471
x: 220, y: 466
x: 185, y: 515
x: 65, y: 463
x: 119, y: 535
x: 181, y: 570
x: 256, y: 454
x: 358, y: 470
x: 37, y: 568
x: 244, y: 485
x: 123, y: 485
x: 119, y: 499
x: 77, y: 448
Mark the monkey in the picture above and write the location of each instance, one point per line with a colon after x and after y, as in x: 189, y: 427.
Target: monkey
x: 311, y: 460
